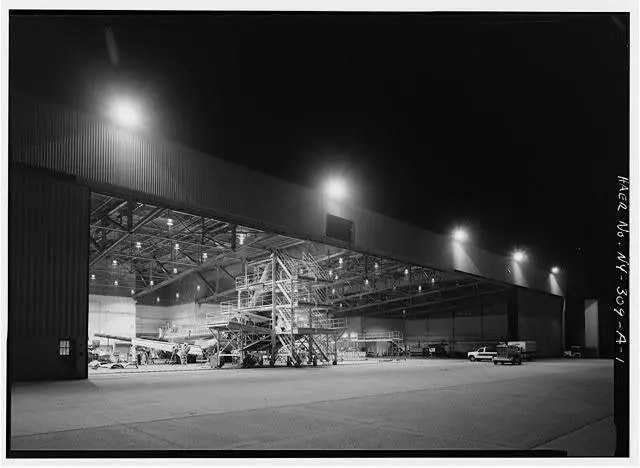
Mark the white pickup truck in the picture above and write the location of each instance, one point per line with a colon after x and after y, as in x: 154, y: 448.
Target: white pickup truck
x: 480, y: 354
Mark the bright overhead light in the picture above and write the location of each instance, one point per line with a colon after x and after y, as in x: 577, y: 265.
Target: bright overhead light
x: 114, y: 262
x: 93, y: 277
x: 198, y: 287
x: 133, y: 292
x: 204, y: 255
x: 330, y: 272
x: 138, y: 245
x: 519, y: 256
x: 157, y: 299
x: 333, y: 290
x: 555, y: 270
x: 366, y: 282
x: 151, y: 282
x: 340, y: 260
x: 406, y: 271
x: 336, y: 188
x: 336, y: 277
x: 433, y: 280
x: 177, y: 295
x: 420, y: 288
x: 177, y: 246
x: 241, y: 238
x: 115, y: 283
x: 375, y: 265
x: 169, y: 222
x: 175, y: 270
x: 126, y: 112
x: 460, y: 235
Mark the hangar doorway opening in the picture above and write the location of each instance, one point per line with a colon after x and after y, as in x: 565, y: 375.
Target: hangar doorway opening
x: 174, y: 289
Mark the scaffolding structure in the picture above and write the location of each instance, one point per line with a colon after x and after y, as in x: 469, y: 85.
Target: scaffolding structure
x: 282, y: 310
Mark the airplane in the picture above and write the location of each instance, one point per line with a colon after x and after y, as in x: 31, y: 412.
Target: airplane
x: 196, y: 347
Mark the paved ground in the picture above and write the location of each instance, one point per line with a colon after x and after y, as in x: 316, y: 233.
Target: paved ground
x: 416, y: 404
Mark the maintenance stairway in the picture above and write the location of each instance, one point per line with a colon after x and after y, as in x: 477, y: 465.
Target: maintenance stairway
x: 282, y: 307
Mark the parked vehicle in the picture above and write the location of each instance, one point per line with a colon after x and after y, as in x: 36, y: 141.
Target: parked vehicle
x: 437, y: 350
x: 574, y: 352
x: 480, y: 354
x: 528, y: 349
x: 507, y: 353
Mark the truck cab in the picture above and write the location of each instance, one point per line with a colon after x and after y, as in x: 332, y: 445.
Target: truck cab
x: 483, y: 353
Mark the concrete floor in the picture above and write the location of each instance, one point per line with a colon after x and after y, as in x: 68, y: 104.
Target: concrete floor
x: 415, y: 404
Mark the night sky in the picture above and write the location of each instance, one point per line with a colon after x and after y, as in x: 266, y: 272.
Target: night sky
x: 515, y: 125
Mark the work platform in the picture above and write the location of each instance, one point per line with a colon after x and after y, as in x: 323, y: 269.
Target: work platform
x: 282, y: 301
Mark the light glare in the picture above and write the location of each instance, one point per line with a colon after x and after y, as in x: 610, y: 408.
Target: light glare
x: 555, y: 270
x: 336, y: 188
x: 519, y: 256
x: 126, y: 113
x: 460, y: 235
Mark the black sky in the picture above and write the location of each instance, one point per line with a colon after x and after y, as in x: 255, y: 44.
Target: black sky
x: 516, y: 125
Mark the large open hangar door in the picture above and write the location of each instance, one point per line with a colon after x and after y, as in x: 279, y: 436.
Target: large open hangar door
x: 160, y: 278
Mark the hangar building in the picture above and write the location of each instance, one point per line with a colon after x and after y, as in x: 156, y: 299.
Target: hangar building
x: 120, y: 233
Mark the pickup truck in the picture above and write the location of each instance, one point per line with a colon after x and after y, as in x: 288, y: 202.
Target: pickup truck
x: 485, y: 353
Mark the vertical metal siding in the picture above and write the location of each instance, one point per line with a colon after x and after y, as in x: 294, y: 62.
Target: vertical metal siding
x: 48, y: 261
x: 44, y: 136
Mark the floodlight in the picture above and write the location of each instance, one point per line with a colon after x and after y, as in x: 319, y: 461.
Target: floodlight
x: 126, y: 112
x: 555, y: 270
x: 460, y: 235
x: 519, y: 256
x: 336, y: 188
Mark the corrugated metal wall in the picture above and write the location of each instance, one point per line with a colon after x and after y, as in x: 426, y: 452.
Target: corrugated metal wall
x: 48, y: 265
x: 163, y: 172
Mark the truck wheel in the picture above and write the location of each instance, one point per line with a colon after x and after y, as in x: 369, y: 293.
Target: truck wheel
x: 472, y: 358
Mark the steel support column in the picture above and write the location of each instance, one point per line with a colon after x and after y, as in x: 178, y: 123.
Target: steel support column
x: 273, y: 309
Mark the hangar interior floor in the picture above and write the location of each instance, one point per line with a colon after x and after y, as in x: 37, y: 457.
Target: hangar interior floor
x: 414, y: 404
